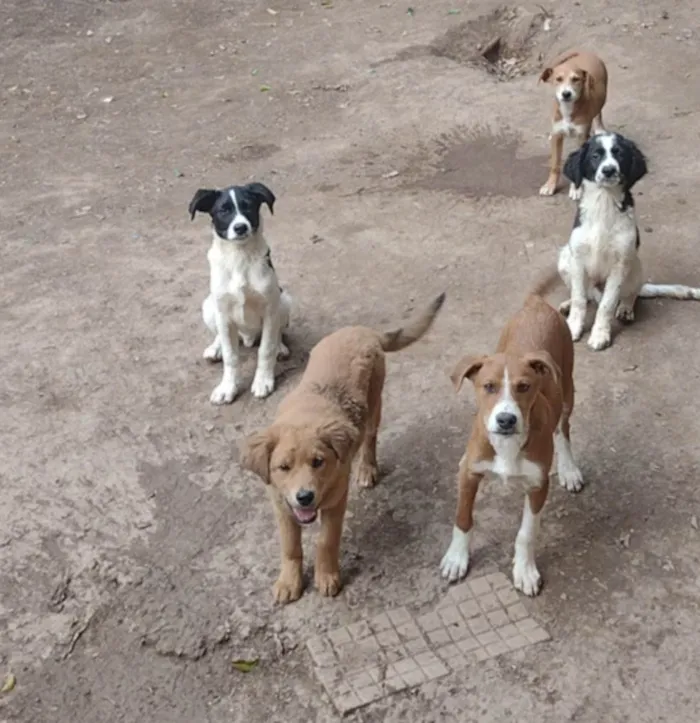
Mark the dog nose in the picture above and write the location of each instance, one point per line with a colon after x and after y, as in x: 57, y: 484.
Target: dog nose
x: 506, y: 422
x: 240, y: 229
x: 608, y: 171
x: 566, y: 94
x: 305, y: 497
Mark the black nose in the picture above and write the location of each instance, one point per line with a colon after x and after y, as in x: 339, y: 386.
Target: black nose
x: 608, y: 171
x: 305, y: 497
x: 506, y: 422
x: 240, y: 229
x: 566, y: 95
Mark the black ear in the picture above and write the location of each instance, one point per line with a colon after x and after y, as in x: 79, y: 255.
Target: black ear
x: 262, y: 193
x: 203, y: 201
x: 573, y: 168
x: 635, y: 164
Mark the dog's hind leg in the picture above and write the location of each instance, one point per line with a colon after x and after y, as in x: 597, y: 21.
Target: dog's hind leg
x: 285, y: 313
x: 597, y: 125
x: 213, y: 351
x: 366, y: 470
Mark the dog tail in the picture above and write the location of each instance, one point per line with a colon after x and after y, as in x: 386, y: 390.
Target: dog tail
x: 414, y: 329
x: 546, y: 283
x: 669, y: 291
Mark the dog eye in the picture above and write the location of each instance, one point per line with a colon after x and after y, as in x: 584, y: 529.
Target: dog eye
x: 317, y: 462
x: 522, y: 387
x: 490, y: 388
x: 284, y: 467
x: 559, y: 78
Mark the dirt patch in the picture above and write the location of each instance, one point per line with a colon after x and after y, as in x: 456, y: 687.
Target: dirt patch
x: 478, y: 163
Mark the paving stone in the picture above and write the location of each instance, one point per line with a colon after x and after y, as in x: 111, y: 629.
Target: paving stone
x: 489, y: 602
x: 415, y: 677
x: 498, y: 618
x: 517, y: 612
x: 339, y: 636
x: 429, y: 622
x: 479, y: 625
x: 370, y: 693
x: 490, y: 636
x: 405, y: 666
x: 507, y: 596
x: 498, y: 580
x: 497, y: 648
x: 461, y: 631
x: 360, y: 630
x: 470, y: 609
x: 538, y: 635
x: 400, y: 616
x: 439, y: 637
x: 435, y: 670
x: 346, y: 703
x: 408, y: 631
x: 460, y: 593
x: 450, y: 615
x: 517, y: 642
x: 380, y: 623
x: 508, y: 631
x: 466, y: 646
x: 416, y: 646
x: 388, y: 638
x: 394, y: 685
x: 525, y: 625
x: 479, y: 586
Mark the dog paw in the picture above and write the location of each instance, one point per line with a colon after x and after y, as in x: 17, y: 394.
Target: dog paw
x: 365, y: 475
x: 288, y: 587
x: 455, y: 563
x: 526, y: 578
x: 327, y: 583
x: 625, y: 314
x: 565, y: 307
x: 248, y: 340
x: 283, y: 351
x: 575, y: 327
x: 263, y: 384
x: 213, y: 352
x: 575, y: 193
x: 570, y: 477
x: 225, y: 393
x: 548, y: 189
x: 599, y: 339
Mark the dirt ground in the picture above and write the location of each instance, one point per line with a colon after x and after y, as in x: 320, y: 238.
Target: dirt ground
x: 136, y: 559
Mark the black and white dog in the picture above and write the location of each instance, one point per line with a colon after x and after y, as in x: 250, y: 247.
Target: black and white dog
x: 245, y: 297
x: 601, y: 261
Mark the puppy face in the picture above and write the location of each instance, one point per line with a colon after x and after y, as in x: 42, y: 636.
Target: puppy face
x: 570, y: 82
x: 235, y: 211
x: 506, y: 388
x: 608, y: 160
x: 307, y: 465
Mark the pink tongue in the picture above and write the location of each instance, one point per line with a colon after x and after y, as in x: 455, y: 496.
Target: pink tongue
x: 304, y: 515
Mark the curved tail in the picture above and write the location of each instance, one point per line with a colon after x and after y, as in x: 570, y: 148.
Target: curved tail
x: 669, y: 291
x: 546, y: 283
x: 414, y: 329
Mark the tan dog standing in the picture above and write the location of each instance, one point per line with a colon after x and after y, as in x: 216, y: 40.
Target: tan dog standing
x: 580, y: 80
x: 306, y: 454
x: 525, y: 394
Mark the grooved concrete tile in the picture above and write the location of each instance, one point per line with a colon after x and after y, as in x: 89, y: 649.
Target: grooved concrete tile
x: 397, y: 649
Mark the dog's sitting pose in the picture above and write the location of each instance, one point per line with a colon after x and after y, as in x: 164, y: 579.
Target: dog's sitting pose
x: 581, y: 84
x: 603, y: 247
x: 525, y: 395
x: 245, y: 297
x: 305, y: 456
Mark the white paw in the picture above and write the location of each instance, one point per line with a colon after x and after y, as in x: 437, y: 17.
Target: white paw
x: 570, y: 477
x: 574, y: 193
x: 213, y: 352
x: 263, y: 384
x: 575, y: 326
x: 625, y: 314
x: 225, y: 393
x: 526, y: 577
x: 599, y: 339
x: 548, y: 189
x: 455, y: 563
x: 248, y: 340
x: 282, y: 351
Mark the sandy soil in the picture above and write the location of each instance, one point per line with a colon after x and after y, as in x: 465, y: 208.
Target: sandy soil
x: 135, y: 558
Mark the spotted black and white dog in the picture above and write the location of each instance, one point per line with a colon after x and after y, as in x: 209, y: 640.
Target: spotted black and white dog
x: 601, y: 261
x: 245, y: 297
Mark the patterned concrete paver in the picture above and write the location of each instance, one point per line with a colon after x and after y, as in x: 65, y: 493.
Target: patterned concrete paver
x: 367, y: 660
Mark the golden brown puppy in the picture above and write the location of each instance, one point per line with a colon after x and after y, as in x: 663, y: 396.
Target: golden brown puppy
x: 525, y: 395
x: 306, y: 454
x: 580, y: 88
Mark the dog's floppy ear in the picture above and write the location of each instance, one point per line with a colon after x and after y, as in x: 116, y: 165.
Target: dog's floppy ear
x: 573, y: 168
x: 262, y: 194
x: 339, y: 436
x: 203, y: 201
x: 545, y: 75
x: 635, y: 163
x: 466, y: 367
x: 542, y: 364
x: 588, y: 81
x: 255, y: 451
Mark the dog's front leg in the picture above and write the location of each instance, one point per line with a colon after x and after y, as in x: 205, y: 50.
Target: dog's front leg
x: 327, y: 573
x: 455, y: 563
x: 290, y: 583
x: 601, y: 333
x: 526, y: 576
x: 579, y: 298
x: 227, y: 389
x: 556, y: 152
x: 264, y: 380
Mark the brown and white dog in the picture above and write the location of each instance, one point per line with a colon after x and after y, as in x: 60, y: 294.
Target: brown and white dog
x: 525, y: 394
x: 306, y: 455
x: 580, y: 82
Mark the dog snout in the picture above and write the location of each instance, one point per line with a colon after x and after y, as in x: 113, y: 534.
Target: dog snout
x: 305, y: 498
x: 506, y: 422
x: 608, y: 171
x: 240, y: 229
x: 566, y: 95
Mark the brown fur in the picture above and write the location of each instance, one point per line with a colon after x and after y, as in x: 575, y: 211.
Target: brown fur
x: 588, y: 73
x: 331, y: 417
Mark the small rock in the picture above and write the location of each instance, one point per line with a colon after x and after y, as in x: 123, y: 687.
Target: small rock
x: 209, y: 427
x: 648, y: 229
x: 694, y: 522
x: 664, y: 15
x: 108, y: 99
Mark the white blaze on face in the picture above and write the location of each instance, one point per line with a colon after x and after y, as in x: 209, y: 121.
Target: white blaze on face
x: 239, y: 220
x: 608, y: 163
x: 505, y: 405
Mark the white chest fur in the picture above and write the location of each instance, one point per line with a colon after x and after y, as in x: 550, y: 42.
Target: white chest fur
x: 242, y: 273
x: 566, y: 126
x: 509, y: 463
